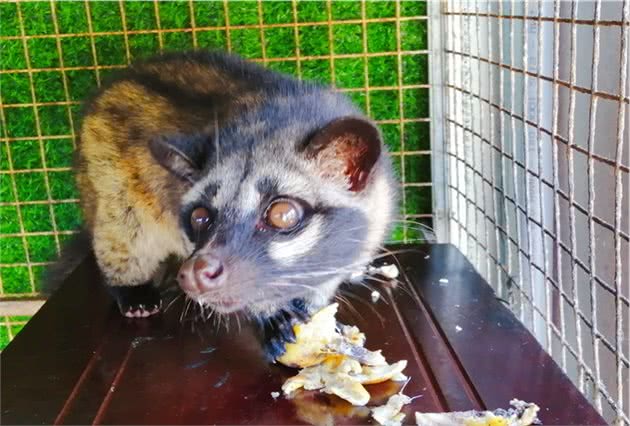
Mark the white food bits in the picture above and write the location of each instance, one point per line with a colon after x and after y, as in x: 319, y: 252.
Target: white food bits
x: 520, y: 414
x: 275, y: 395
x: 375, y: 296
x: 443, y: 280
x: 458, y: 328
x: 334, y: 360
x: 390, y: 271
x: 389, y: 414
x: 400, y: 377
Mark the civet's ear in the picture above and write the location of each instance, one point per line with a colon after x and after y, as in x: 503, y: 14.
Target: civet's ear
x: 346, y: 150
x: 182, y: 155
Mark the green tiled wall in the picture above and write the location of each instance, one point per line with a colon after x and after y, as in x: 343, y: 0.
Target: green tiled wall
x: 10, y: 327
x: 53, y: 53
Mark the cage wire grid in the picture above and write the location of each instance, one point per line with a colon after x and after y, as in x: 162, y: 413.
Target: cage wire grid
x: 534, y: 121
x: 391, y: 85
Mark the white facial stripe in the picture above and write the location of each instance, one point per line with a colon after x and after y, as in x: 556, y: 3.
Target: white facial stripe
x: 291, y: 183
x: 194, y: 193
x: 249, y: 199
x: 288, y: 252
x: 230, y: 171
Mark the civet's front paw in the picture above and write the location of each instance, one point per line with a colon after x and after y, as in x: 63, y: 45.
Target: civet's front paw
x: 139, y: 301
x: 277, y: 330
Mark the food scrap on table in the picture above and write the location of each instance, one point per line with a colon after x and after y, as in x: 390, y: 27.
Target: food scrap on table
x: 390, y: 414
x: 520, y: 414
x: 333, y: 360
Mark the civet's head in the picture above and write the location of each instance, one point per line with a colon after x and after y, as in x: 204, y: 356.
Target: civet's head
x: 284, y: 201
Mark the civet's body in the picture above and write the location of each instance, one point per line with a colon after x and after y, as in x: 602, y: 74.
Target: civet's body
x: 270, y: 190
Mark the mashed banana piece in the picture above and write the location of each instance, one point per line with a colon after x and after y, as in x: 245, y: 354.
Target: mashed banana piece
x: 343, y: 377
x: 521, y: 414
x: 334, y: 361
x: 311, y: 339
x: 319, y: 338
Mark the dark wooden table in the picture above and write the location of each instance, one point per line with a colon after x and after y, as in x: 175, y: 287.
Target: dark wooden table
x: 78, y: 361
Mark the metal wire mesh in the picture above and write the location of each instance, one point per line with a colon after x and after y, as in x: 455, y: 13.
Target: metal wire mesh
x: 52, y: 52
x: 535, y: 117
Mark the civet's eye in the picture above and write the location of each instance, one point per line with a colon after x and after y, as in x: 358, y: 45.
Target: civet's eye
x: 284, y: 214
x: 200, y: 219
